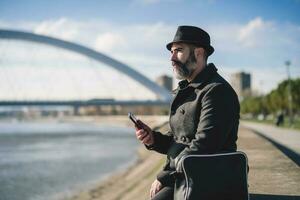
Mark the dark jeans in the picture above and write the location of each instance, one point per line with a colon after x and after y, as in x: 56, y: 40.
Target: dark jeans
x: 165, y: 193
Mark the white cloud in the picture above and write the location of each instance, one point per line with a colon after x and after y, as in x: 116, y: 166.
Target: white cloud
x: 258, y: 42
x: 61, y: 83
x: 236, y: 37
x: 106, y: 42
x: 252, y: 33
x: 61, y: 28
x: 224, y: 37
x: 259, y: 47
x: 140, y: 46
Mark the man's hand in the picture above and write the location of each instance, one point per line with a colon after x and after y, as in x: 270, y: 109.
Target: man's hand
x: 155, y: 188
x: 144, y: 134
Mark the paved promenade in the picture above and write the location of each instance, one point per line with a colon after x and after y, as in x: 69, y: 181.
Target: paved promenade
x: 273, y: 175
x: 287, y: 137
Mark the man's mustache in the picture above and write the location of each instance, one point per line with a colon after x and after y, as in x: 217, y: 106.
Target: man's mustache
x: 176, y: 62
x: 181, y: 65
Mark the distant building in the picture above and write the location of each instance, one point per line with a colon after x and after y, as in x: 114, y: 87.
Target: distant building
x: 241, y: 83
x: 165, y: 81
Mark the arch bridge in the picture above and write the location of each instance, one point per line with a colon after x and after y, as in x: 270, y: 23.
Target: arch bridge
x: 163, y: 95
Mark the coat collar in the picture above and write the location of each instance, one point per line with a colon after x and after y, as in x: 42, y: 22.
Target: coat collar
x: 202, y: 77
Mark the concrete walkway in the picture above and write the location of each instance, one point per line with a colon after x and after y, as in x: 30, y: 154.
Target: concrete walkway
x: 272, y: 175
x: 287, y: 137
x: 287, y: 140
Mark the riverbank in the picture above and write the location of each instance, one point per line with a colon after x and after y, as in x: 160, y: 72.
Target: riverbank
x: 135, y: 181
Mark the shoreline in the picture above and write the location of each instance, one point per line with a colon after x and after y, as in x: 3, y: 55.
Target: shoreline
x: 124, y: 183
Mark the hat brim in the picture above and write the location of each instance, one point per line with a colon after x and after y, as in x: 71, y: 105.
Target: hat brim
x: 209, y: 49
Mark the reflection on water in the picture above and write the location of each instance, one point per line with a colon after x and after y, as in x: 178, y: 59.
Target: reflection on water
x: 44, y: 160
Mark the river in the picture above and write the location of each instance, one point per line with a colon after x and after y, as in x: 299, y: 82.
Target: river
x: 49, y: 160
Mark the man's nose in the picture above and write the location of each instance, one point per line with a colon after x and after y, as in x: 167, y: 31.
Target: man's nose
x: 173, y: 57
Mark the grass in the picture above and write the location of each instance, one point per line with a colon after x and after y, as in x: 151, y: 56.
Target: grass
x: 286, y: 124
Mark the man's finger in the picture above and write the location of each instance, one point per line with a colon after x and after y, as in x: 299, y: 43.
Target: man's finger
x: 142, y: 136
x: 146, y: 139
x: 151, y: 191
x: 157, y: 188
x: 145, y: 136
x: 141, y: 132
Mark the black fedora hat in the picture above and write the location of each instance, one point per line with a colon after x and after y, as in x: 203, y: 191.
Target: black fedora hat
x: 194, y: 35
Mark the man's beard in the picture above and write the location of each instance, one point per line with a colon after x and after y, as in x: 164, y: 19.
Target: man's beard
x: 184, y: 70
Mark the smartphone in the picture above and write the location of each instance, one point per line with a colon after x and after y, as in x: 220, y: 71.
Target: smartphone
x: 134, y: 119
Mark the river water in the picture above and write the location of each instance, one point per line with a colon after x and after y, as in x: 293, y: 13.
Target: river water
x: 50, y: 160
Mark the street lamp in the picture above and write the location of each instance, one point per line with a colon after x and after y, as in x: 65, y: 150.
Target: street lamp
x: 290, y: 99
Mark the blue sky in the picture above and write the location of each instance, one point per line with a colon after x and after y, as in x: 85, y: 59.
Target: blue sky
x: 149, y: 11
x: 248, y: 35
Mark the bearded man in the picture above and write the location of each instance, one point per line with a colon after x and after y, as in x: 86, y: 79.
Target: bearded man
x: 204, y: 114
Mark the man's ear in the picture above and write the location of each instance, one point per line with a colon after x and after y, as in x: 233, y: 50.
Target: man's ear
x: 199, y: 52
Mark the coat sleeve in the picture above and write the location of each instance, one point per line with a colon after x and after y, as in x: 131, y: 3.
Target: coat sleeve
x: 162, y: 142
x: 219, y: 112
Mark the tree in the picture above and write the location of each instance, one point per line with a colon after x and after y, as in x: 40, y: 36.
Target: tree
x: 276, y: 100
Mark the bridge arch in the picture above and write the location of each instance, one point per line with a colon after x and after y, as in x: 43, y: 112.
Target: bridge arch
x: 162, y: 94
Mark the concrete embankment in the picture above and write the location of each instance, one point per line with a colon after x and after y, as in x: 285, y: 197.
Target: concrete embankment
x: 272, y: 174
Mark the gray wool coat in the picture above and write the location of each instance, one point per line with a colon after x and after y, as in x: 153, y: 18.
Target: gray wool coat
x: 204, y: 119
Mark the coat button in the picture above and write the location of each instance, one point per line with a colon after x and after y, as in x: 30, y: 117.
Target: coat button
x: 183, y: 138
